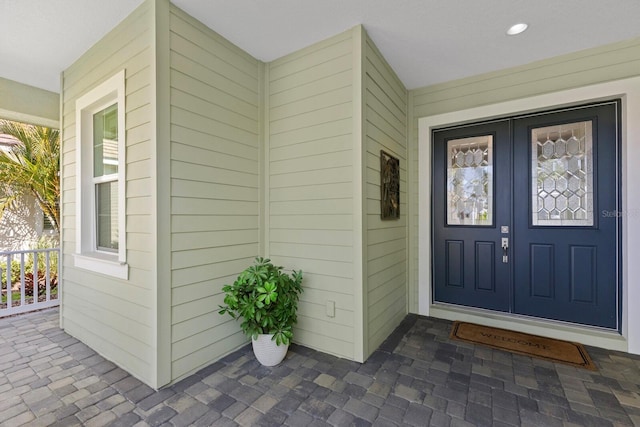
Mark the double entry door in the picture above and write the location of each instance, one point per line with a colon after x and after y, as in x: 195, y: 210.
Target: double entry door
x: 525, y: 215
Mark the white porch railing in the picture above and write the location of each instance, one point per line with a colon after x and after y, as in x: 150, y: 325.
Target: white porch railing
x: 29, y: 280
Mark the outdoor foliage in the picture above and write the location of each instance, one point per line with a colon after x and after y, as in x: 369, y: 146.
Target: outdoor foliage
x: 31, y: 167
x: 266, y: 299
x: 15, y: 271
x: 28, y: 270
x: 40, y: 281
x: 41, y: 259
x: 46, y: 243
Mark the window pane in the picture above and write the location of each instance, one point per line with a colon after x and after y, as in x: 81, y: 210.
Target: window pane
x: 562, y: 175
x: 47, y: 224
x: 470, y: 181
x: 107, y: 216
x: 105, y: 141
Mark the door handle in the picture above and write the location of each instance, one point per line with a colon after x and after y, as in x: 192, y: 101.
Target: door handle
x: 505, y: 250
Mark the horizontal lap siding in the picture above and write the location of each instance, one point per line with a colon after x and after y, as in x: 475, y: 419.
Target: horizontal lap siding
x: 311, y: 186
x: 214, y: 186
x: 607, y: 63
x: 113, y: 316
x: 385, y: 125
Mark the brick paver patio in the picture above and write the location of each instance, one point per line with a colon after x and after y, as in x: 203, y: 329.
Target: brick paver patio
x: 417, y: 377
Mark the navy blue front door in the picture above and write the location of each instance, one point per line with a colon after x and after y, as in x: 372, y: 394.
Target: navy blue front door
x: 525, y: 215
x: 565, y: 250
x: 472, y: 200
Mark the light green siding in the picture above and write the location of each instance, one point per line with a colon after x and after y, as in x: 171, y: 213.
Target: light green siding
x: 385, y: 128
x: 115, y: 317
x: 310, y: 179
x: 606, y: 63
x: 215, y: 126
x: 602, y: 64
x: 29, y: 104
x: 229, y: 158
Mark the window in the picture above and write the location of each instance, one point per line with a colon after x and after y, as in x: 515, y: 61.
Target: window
x: 100, y: 180
x: 105, y: 177
x: 47, y: 224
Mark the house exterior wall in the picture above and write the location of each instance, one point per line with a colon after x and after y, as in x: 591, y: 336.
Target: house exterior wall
x: 113, y: 316
x: 229, y: 158
x: 300, y: 197
x: 310, y: 210
x: 21, y: 226
x: 215, y: 186
x: 385, y: 242
x: 278, y: 159
x: 578, y: 70
x: 28, y: 104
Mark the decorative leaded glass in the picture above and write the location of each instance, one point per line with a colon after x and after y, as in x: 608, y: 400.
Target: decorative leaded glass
x: 562, y: 175
x: 470, y: 181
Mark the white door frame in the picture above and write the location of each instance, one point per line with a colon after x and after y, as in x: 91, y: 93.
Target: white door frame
x: 629, y: 91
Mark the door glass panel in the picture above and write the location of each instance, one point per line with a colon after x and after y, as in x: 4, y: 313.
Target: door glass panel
x: 562, y: 175
x: 470, y: 181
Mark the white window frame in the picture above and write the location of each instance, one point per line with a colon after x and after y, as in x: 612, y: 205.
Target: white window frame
x: 87, y: 255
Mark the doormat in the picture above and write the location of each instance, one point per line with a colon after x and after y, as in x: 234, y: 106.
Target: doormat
x: 529, y: 345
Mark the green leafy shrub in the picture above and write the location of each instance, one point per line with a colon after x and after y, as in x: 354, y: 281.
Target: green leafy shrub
x: 15, y: 270
x: 46, y: 243
x: 266, y: 299
x: 41, y: 257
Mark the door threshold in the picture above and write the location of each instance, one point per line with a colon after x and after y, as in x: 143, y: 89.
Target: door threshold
x: 588, y: 335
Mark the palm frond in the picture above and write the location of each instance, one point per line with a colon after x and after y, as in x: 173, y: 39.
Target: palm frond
x: 33, y: 165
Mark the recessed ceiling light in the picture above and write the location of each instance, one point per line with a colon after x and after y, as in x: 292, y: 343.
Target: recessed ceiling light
x: 517, y: 29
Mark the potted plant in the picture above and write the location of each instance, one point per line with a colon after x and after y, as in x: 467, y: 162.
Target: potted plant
x: 266, y: 299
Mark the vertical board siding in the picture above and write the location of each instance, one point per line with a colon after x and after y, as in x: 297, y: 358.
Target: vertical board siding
x: 606, y: 63
x: 113, y: 316
x: 311, y: 191
x: 214, y: 186
x: 385, y: 116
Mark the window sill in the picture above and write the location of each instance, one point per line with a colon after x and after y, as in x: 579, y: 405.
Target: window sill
x: 102, y: 263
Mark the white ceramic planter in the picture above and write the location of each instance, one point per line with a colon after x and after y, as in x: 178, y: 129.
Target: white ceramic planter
x: 266, y: 350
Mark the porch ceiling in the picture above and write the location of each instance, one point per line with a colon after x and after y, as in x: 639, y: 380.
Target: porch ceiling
x: 425, y: 41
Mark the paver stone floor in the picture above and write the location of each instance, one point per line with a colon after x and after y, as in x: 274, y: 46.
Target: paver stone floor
x: 418, y: 377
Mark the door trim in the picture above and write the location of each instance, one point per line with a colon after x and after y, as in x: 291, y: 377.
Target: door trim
x: 629, y: 91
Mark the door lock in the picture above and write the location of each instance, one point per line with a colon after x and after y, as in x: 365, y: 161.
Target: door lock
x: 505, y: 250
